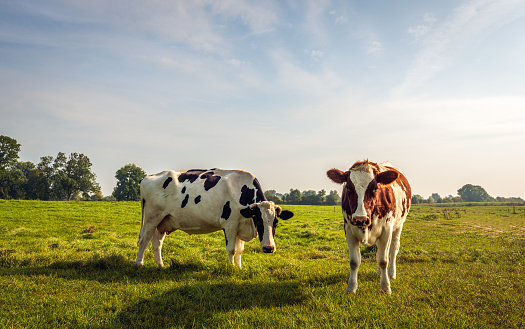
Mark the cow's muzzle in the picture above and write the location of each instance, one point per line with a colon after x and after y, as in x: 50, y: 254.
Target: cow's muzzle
x: 361, y: 221
x: 268, y: 249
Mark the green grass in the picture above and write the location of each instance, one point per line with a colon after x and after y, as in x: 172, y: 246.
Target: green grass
x: 71, y: 265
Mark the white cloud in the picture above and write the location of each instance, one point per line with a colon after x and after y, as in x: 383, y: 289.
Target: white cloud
x: 237, y: 63
x: 443, y: 43
x: 291, y: 76
x: 429, y: 18
x: 341, y: 20
x: 374, y: 48
x: 419, y: 31
x: 199, y: 24
x: 314, y: 21
x: 317, y: 53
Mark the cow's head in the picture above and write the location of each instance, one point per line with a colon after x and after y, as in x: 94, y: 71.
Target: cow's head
x: 265, y: 216
x: 365, y: 189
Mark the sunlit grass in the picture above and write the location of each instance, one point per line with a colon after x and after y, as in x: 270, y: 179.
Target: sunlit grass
x: 71, y: 265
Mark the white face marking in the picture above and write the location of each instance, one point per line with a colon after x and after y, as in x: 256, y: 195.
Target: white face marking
x: 268, y: 216
x: 361, y: 179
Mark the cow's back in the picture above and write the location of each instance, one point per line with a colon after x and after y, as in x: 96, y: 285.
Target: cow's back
x: 197, y: 200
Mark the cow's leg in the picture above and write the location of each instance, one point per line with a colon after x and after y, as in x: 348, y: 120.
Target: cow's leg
x: 156, y: 242
x: 355, y: 261
x: 239, y: 248
x: 144, y: 240
x: 146, y: 233
x: 231, y: 235
x: 383, y: 247
x: 394, y: 249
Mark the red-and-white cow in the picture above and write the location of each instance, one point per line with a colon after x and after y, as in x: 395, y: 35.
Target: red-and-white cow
x: 376, y: 200
x: 204, y: 201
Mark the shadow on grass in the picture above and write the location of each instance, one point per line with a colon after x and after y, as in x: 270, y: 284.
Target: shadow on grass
x: 112, y: 268
x: 203, y: 304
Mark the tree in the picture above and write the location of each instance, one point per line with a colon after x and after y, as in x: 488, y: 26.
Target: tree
x: 11, y: 184
x: 312, y: 197
x: 333, y: 198
x: 294, y: 197
x: 97, y: 196
x: 9, y: 149
x: 510, y: 199
x: 436, y: 197
x: 61, y: 178
x: 11, y: 179
x: 44, y: 176
x: 128, y: 183
x: 271, y: 195
x: 474, y: 193
x: 416, y: 199
x: 27, y: 186
x: 78, y: 176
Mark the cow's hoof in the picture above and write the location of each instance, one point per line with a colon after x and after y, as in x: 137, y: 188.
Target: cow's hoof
x: 386, y: 291
x: 139, y: 264
x: 350, y: 291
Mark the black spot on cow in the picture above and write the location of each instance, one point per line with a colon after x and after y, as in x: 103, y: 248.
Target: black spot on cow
x: 197, y: 199
x: 211, y: 180
x: 225, y: 237
x: 183, y: 190
x: 247, y: 212
x: 226, y: 211
x: 258, y: 222
x: 185, y: 201
x: 247, y: 196
x: 166, y: 182
x: 260, y: 194
x: 275, y: 222
x: 143, y: 204
x: 190, y: 175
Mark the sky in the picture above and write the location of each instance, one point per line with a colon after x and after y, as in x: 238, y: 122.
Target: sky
x: 283, y: 89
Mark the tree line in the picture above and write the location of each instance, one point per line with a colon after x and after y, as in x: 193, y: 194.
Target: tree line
x: 72, y: 178
x: 309, y: 197
x: 467, y: 193
x: 53, y: 178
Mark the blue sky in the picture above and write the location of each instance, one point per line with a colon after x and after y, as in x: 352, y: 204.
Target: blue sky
x: 284, y: 89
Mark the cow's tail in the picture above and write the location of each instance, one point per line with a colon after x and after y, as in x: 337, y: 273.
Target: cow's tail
x: 142, y: 203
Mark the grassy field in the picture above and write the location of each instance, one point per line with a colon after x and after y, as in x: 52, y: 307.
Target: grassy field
x: 71, y: 265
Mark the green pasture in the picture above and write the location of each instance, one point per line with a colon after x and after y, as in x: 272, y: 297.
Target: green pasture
x: 71, y: 265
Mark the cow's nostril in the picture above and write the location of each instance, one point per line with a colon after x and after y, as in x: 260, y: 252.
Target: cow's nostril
x: 361, y: 221
x: 268, y: 249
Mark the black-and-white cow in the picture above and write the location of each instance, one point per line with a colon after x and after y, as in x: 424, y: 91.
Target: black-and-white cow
x: 204, y: 201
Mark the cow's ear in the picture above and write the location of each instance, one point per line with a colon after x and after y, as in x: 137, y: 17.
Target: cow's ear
x: 278, y: 210
x: 337, y: 176
x: 387, y: 177
x: 247, y: 212
x: 285, y: 214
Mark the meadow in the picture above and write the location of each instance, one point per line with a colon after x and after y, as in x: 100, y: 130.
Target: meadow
x: 71, y: 265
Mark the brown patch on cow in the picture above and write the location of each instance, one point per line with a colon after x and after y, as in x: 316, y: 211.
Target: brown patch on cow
x: 366, y: 164
x: 349, y: 198
x: 403, y: 184
x: 385, y: 201
x: 337, y: 176
x: 386, y: 178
